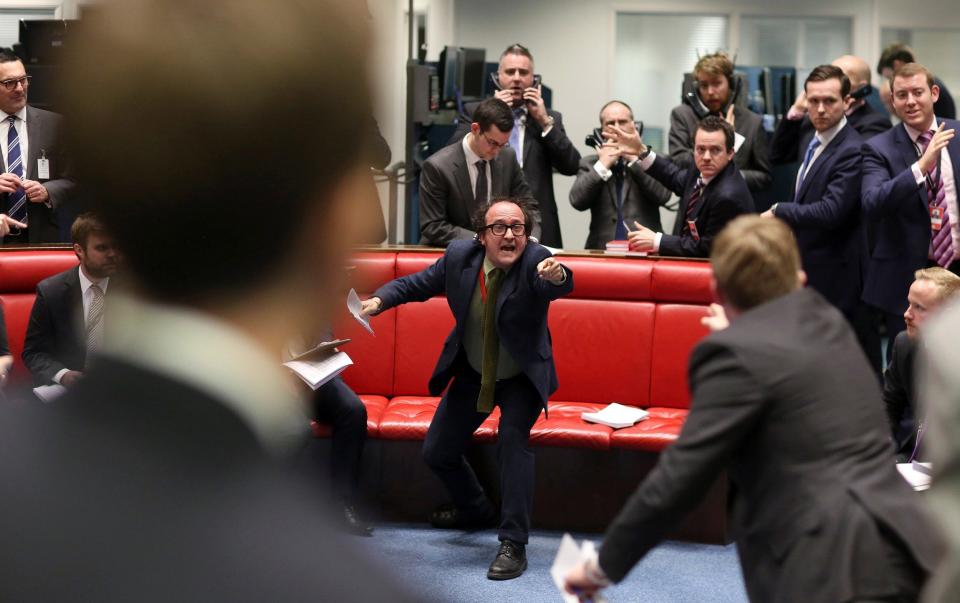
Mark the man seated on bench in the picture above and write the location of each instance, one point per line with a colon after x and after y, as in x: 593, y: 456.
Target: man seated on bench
x: 67, y: 321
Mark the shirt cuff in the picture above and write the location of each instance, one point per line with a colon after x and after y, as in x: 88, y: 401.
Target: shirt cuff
x: 737, y: 141
x: 602, y: 170
x: 917, y: 172
x: 563, y: 280
x: 794, y: 115
x: 59, y: 375
x: 656, y: 242
x: 546, y: 131
x: 647, y: 161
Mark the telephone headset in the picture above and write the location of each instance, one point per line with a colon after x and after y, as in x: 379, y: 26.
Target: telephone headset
x: 733, y: 82
x: 862, y: 92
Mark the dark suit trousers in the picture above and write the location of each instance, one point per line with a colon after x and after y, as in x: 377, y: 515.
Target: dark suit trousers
x: 336, y: 404
x: 451, y: 431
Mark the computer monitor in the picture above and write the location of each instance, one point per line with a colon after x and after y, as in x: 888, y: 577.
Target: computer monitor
x: 42, y: 40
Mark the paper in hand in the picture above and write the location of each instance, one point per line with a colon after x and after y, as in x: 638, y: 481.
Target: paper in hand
x: 569, y: 555
x: 354, y: 305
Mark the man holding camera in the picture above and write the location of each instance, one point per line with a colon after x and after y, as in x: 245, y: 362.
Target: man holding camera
x: 612, y: 185
x: 539, y: 141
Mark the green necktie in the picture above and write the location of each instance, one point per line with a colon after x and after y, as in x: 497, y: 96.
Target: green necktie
x: 491, y: 343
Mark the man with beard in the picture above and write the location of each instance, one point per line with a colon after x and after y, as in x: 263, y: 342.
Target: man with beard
x: 67, y: 320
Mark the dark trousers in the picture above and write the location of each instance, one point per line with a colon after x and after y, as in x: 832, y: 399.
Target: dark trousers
x: 451, y: 431
x: 336, y: 404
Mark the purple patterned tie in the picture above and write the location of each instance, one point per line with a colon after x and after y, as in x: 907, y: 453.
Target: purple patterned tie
x: 941, y: 241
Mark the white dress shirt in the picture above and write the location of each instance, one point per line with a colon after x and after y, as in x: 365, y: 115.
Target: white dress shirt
x: 825, y: 138
x: 949, y: 186
x: 86, y: 296
x: 472, y: 159
x: 21, y: 131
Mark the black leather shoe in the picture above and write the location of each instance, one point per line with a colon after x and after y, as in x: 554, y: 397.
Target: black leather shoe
x: 510, y: 563
x: 449, y: 517
x: 353, y: 524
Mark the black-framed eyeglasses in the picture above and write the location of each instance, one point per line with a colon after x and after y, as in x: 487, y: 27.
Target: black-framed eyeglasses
x: 499, y: 230
x: 484, y: 134
x: 11, y: 85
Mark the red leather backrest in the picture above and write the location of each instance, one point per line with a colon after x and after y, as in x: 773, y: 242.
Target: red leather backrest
x: 602, y: 350
x: 421, y: 331
x: 372, y: 269
x: 20, y: 271
x: 16, y: 312
x: 610, y: 278
x: 415, y: 261
x: 676, y: 330
x: 682, y: 281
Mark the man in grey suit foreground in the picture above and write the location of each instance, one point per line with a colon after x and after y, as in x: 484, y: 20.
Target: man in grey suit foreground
x: 785, y: 402
x: 34, y: 182
x: 451, y: 186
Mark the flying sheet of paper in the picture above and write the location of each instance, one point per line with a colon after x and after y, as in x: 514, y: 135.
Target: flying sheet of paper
x: 569, y: 555
x: 916, y: 474
x: 316, y: 373
x: 49, y: 393
x: 354, y: 305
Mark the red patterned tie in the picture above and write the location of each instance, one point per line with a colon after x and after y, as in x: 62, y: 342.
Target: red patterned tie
x: 941, y: 241
x: 694, y: 197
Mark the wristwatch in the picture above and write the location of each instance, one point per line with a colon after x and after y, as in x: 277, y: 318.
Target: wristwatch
x: 645, y: 153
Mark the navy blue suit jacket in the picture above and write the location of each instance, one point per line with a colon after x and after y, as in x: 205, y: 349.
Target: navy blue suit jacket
x: 724, y: 198
x: 825, y: 216
x: 522, y: 306
x: 893, y: 200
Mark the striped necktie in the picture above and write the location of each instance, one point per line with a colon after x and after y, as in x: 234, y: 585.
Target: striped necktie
x: 941, y: 240
x: 695, y: 195
x: 807, y: 160
x: 17, y: 208
x: 95, y: 321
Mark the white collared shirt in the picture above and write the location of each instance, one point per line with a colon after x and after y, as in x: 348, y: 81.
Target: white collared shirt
x: 949, y: 185
x: 21, y: 125
x: 472, y: 159
x: 86, y: 297
x: 825, y: 138
x: 215, y: 357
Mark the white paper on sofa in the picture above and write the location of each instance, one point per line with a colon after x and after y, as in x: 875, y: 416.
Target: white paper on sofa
x: 616, y: 416
x: 316, y: 371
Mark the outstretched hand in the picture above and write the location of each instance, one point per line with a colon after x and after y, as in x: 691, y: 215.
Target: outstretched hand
x: 551, y: 270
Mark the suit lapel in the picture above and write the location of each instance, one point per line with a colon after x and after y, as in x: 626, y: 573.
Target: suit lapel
x: 468, y: 278
x: 509, y: 284
x: 461, y: 175
x: 681, y: 220
x: 34, y: 131
x: 820, y: 162
x: 74, y: 310
x: 909, y: 154
x: 531, y: 131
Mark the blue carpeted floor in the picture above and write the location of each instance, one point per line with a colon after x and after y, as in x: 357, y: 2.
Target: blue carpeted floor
x: 452, y: 566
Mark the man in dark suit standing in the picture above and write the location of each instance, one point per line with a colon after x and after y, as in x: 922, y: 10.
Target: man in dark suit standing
x: 538, y: 138
x: 34, y: 183
x: 932, y: 288
x: 461, y: 177
x: 909, y: 190
x: 785, y: 403
x: 715, y: 94
x: 824, y: 211
x: 499, y: 288
x: 613, y: 187
x: 162, y: 475
x: 68, y: 320
x: 711, y: 194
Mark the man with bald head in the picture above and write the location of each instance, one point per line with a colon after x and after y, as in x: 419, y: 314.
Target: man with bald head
x: 860, y: 115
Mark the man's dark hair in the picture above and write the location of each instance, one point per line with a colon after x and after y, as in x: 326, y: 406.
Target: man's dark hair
x: 85, y: 225
x: 525, y: 204
x: 8, y: 56
x: 493, y: 112
x: 614, y: 102
x: 897, y: 51
x: 518, y: 49
x: 823, y: 73
x: 715, y: 123
x: 204, y: 166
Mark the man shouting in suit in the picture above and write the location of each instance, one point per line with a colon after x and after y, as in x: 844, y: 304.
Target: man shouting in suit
x: 499, y: 288
x: 785, y: 403
x: 461, y: 177
x: 711, y: 195
x: 67, y: 321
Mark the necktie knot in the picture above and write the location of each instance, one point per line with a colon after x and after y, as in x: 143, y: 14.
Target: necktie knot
x: 12, y: 119
x: 924, y: 139
x: 481, y: 164
x: 813, y: 144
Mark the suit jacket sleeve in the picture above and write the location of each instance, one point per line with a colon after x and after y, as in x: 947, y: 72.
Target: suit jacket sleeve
x: 681, y: 151
x: 435, y: 227
x: 874, y: 124
x: 726, y: 405
x: 840, y: 201
x: 685, y: 245
x: 896, y: 398
x: 667, y: 173
x: 544, y: 288
x: 758, y: 175
x: 883, y: 193
x: 587, y: 187
x: 416, y: 287
x: 39, y: 345
x: 785, y: 144
x: 649, y: 186
x: 563, y: 155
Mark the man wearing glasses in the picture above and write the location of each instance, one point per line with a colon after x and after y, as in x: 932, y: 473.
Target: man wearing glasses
x: 499, y: 287
x: 459, y: 178
x: 32, y: 185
